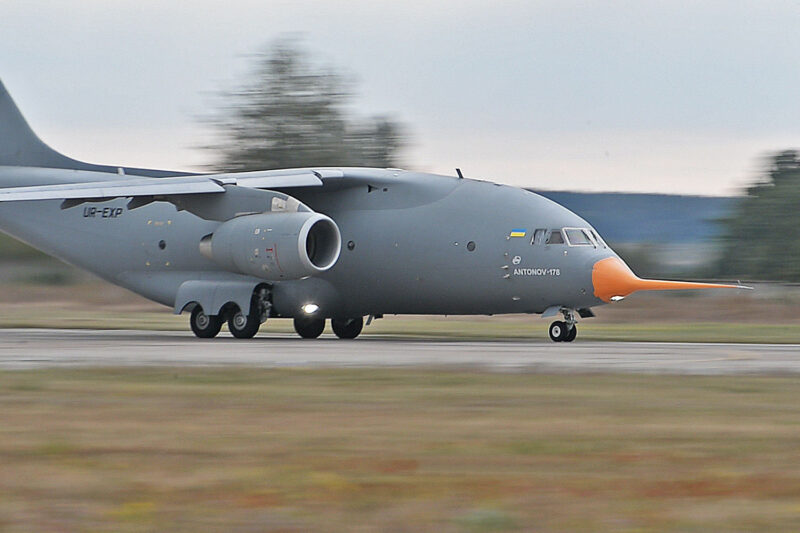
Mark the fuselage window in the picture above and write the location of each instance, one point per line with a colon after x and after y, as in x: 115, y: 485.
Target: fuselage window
x: 538, y: 236
x: 555, y: 237
x: 577, y: 237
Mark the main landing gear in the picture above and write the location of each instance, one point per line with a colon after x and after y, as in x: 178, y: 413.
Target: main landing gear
x: 240, y: 325
x: 348, y: 328
x: 311, y: 328
x: 243, y: 327
x: 203, y: 325
x: 564, y: 330
x: 208, y: 326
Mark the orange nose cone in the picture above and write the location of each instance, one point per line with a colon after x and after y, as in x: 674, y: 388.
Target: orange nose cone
x: 613, y: 280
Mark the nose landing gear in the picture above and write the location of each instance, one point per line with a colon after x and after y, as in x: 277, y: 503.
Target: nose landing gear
x: 566, y: 330
x: 561, y: 332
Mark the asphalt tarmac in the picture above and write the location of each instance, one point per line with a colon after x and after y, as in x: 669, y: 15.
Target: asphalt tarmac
x: 39, y: 348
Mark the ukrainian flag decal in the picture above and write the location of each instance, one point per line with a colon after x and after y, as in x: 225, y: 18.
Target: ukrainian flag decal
x: 517, y: 233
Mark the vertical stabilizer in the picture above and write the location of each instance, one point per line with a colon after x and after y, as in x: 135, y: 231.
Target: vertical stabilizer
x: 19, y: 146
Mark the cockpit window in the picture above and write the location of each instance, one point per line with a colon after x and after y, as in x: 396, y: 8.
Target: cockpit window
x: 578, y: 237
x: 570, y: 236
x: 538, y: 236
x: 555, y: 237
x: 597, y: 239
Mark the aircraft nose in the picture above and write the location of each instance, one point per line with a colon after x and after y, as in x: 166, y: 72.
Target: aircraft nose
x: 613, y: 280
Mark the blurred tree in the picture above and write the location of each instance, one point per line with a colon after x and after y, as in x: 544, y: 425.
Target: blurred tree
x: 295, y: 114
x: 761, y: 237
x: 642, y: 258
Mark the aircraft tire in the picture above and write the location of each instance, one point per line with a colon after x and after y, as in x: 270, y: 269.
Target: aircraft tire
x: 572, y: 334
x: 309, y: 328
x: 347, y: 328
x: 558, y: 331
x: 241, y: 326
x: 203, y: 325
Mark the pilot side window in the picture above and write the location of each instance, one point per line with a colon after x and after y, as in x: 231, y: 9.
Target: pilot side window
x: 597, y: 238
x: 555, y: 237
x: 538, y: 236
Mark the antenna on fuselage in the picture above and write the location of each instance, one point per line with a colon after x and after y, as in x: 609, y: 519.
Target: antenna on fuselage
x: 460, y: 175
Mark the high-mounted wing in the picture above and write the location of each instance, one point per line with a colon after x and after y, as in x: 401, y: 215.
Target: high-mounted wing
x: 160, y: 187
x: 112, y: 189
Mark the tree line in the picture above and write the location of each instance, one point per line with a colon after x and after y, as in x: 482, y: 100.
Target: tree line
x: 760, y: 239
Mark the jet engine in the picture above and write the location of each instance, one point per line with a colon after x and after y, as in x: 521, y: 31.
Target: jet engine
x: 275, y: 246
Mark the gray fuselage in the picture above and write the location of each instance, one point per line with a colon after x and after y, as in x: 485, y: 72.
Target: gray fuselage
x: 412, y: 243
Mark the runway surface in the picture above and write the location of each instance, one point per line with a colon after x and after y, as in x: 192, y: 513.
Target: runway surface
x: 37, y: 348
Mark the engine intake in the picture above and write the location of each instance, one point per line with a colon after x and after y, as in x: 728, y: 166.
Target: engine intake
x: 275, y: 246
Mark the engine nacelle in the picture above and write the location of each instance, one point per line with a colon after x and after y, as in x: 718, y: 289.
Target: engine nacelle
x: 275, y: 246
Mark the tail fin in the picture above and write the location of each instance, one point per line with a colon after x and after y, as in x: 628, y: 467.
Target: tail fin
x: 19, y: 146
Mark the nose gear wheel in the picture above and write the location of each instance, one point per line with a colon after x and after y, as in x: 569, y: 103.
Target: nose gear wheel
x: 561, y: 331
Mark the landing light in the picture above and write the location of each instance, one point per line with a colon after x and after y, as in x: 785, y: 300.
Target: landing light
x: 310, y: 309
x: 617, y: 298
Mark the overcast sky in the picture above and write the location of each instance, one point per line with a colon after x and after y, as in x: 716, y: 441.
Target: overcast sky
x: 682, y: 97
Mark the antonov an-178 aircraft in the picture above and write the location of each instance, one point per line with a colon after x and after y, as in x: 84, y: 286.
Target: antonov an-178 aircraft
x: 309, y: 244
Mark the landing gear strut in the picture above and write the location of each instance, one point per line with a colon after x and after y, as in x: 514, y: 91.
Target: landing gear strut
x: 203, y: 325
x: 566, y: 330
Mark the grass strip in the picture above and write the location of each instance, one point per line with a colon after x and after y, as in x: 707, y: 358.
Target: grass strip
x: 384, y: 450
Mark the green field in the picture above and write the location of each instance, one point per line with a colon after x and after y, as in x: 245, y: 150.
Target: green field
x: 396, y: 450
